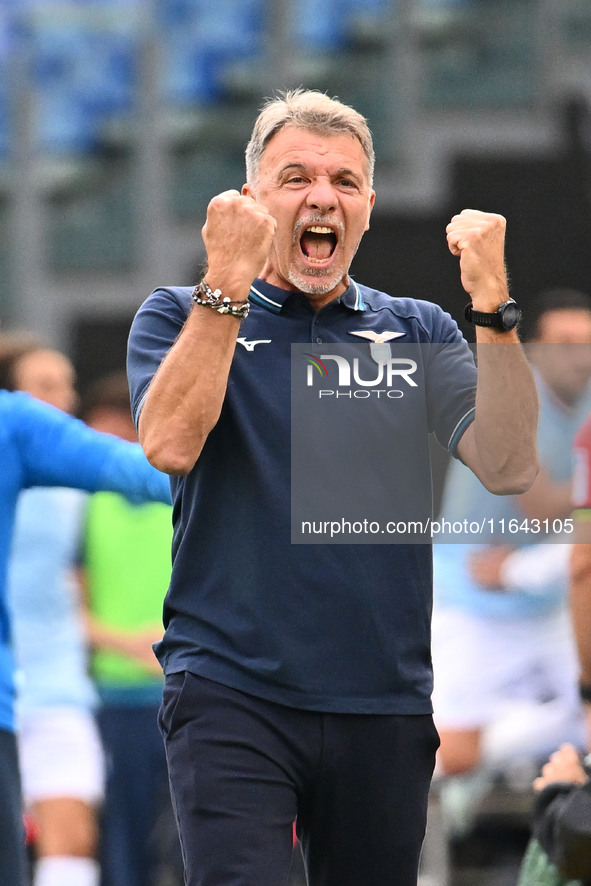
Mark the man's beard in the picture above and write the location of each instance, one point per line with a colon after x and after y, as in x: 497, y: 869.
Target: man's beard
x: 315, y: 281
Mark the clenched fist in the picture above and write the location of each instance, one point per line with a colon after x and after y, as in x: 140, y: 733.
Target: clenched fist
x: 478, y: 239
x: 237, y: 235
x: 563, y: 765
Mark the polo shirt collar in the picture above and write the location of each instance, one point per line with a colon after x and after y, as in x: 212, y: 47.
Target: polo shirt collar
x: 272, y: 298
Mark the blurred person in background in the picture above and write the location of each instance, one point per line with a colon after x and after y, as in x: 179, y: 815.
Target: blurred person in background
x: 125, y: 569
x: 59, y: 747
x: 561, y: 821
x: 559, y: 852
x: 503, y: 649
x: 60, y: 750
x: 560, y: 846
x: 580, y: 567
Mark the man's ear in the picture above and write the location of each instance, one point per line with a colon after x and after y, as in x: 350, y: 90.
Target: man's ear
x: 246, y: 190
x: 372, y: 200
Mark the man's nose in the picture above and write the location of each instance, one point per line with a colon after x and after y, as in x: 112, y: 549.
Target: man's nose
x: 322, y: 197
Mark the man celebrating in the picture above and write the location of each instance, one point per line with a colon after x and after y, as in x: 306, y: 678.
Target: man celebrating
x: 298, y: 677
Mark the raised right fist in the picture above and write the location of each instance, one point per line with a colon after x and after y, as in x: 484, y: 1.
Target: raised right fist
x: 237, y: 235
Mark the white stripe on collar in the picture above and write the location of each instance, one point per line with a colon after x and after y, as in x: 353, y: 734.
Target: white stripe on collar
x: 265, y: 298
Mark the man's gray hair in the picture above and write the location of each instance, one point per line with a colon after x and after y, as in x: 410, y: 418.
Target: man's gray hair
x: 313, y: 111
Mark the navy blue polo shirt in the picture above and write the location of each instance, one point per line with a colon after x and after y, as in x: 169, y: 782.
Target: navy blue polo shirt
x: 324, y: 627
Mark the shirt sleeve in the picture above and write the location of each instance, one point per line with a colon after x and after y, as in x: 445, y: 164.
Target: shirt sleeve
x: 451, y: 381
x: 59, y: 450
x: 581, y: 482
x: 155, y: 328
x: 537, y: 569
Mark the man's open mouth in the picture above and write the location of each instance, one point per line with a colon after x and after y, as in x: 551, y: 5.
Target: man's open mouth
x: 318, y: 242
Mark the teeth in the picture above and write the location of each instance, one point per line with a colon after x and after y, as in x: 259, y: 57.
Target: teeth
x: 319, y: 229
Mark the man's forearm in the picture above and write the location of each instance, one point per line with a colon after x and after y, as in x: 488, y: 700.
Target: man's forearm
x: 500, y: 445
x: 186, y: 394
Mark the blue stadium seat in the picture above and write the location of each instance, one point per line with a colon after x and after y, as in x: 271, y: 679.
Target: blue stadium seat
x: 330, y: 24
x: 201, y: 38
x: 84, y: 56
x: 320, y: 24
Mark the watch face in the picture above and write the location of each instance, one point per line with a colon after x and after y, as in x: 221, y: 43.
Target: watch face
x: 511, y: 316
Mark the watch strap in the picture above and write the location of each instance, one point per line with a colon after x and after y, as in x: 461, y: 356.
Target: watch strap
x: 493, y: 319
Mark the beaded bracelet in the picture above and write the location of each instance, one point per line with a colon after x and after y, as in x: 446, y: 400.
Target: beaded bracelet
x: 213, y: 299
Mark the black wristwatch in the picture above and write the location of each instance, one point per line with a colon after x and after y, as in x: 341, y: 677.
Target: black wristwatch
x: 506, y: 316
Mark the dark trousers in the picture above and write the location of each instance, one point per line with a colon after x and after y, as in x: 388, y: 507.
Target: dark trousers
x: 13, y: 858
x: 243, y: 769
